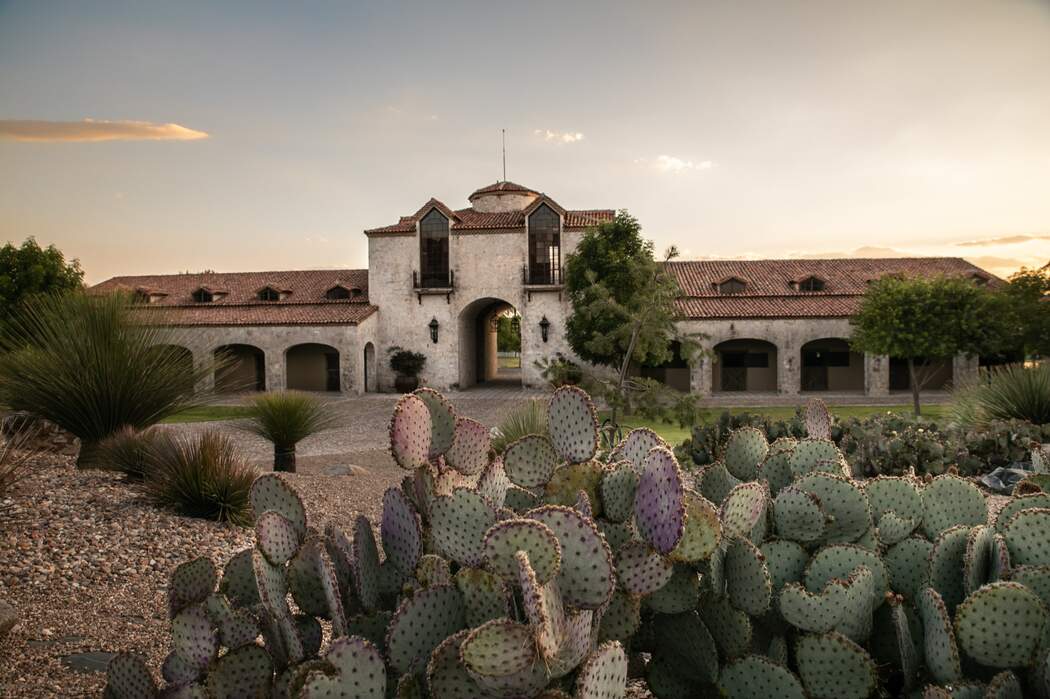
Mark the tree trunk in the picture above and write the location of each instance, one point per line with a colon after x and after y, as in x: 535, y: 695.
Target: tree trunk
x: 624, y: 366
x: 284, y: 459
x: 913, y: 381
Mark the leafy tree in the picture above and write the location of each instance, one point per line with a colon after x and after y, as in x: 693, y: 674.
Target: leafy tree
x: 623, y: 306
x: 508, y: 333
x: 1027, y: 294
x: 926, y: 320
x: 29, y: 269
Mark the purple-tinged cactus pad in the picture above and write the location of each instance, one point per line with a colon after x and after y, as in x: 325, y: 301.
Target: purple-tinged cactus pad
x: 941, y: 652
x: 604, y: 673
x: 471, y: 447
x: 617, y: 490
x: 543, y: 608
x: 641, y: 570
x: 744, y: 510
x: 659, y: 507
x: 458, y: 524
x: 579, y: 626
x: 1002, y: 625
x: 421, y: 623
x: 271, y: 492
x: 834, y: 667
x: 501, y: 657
x: 127, y: 677
x: 702, y: 532
x: 493, y: 483
x: 401, y: 531
x: 191, y: 583
x: 747, y: 577
x: 679, y: 594
x: 276, y: 537
x: 818, y: 419
x: 636, y: 446
x: 239, y: 628
x: 313, y: 584
x: 359, y: 672
x: 587, y: 578
x: 622, y: 617
x: 504, y: 539
x: 410, y: 432
x: 446, y: 675
x: 572, y: 423
x: 238, y: 580
x: 177, y: 672
x: 442, y: 420
x: 530, y: 461
x: 244, y: 672
x: 485, y: 596
x: 364, y: 563
x: 193, y: 637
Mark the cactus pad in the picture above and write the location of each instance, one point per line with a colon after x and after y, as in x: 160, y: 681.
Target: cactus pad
x: 359, y: 672
x: 1035, y: 578
x: 365, y: 563
x: 636, y: 446
x: 818, y: 419
x: 893, y: 528
x: 485, y: 596
x: 1001, y: 625
x: 977, y: 560
x: 313, y: 564
x: 617, y: 490
x: 193, y: 637
x: 470, y: 449
x: 679, y: 594
x: 715, y: 482
x: 758, y: 676
x: 744, y: 451
x: 504, y: 539
x: 786, y: 561
x: 945, y: 567
x: 446, y: 675
x: 898, y: 494
x: 1027, y: 535
x: 1016, y: 504
x: 191, y: 583
x: 776, y: 469
x: 839, y: 561
x: 798, y: 516
x: 941, y: 652
x: 530, y: 461
x: 410, y: 436
x: 1005, y: 685
x: 127, y: 677
x: 238, y: 580
x: 907, y: 566
x: 702, y: 531
x: 401, y: 531
x: 621, y: 618
x: 501, y: 657
x: 747, y: 577
x: 575, y: 645
x: 458, y: 523
x: 816, y: 612
x: 276, y: 537
x: 950, y: 500
x: 686, y: 638
x: 809, y: 454
x: 442, y: 420
x: 421, y: 623
x: 843, y: 501
x: 568, y: 480
x: 730, y: 627
x: 617, y: 533
x: 246, y: 671
x: 659, y: 510
x: 270, y: 492
x: 604, y: 673
x: 744, y: 510
x: 493, y: 483
x: 641, y: 570
x: 587, y: 578
x: 572, y: 424
x: 520, y: 499
x: 834, y: 667
x: 543, y: 608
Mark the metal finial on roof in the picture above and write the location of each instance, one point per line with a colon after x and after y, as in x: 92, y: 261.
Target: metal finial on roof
x: 504, y: 134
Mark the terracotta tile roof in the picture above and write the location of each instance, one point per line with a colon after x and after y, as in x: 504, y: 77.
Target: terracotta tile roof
x: 471, y: 220
x: 501, y: 187
x: 304, y: 304
x: 769, y: 292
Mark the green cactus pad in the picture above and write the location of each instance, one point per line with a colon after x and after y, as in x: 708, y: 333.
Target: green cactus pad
x: 442, y: 420
x: 730, y: 627
x: 815, y: 612
x: 410, y: 436
x: 798, y: 516
x: 747, y: 577
x: 744, y: 451
x: 843, y: 501
x: 950, y: 500
x: 941, y: 651
x: 401, y: 531
x: 999, y: 567
x: 786, y: 561
x: 659, y: 508
x: 238, y: 580
x: 1001, y: 625
x: 679, y: 594
x: 817, y: 419
x: 570, y: 479
x: 238, y: 628
x: 1035, y: 578
x: 686, y: 638
x: 758, y: 676
x: 543, y: 608
x: 664, y: 681
x: 636, y: 446
x: 193, y: 637
x: 587, y: 577
x: 834, y: 667
x: 715, y: 577
x: 744, y: 510
x: 520, y: 499
x: 340, y: 551
x: 617, y: 490
x: 945, y: 566
x: 893, y: 642
x: 421, y: 623
x: 810, y: 454
x: 485, y: 596
x: 359, y: 672
x: 622, y: 617
x: 898, y: 494
x: 977, y: 559
x: 575, y: 645
x: 470, y: 449
x: 191, y: 583
x: 493, y: 483
x: 530, y: 461
x: 715, y: 482
x: 447, y: 677
x: 1027, y: 535
x: 859, y: 602
x: 641, y: 570
x: 276, y: 537
x: 1016, y: 504
x: 501, y: 657
x: 371, y: 625
x: 702, y: 531
x: 604, y: 673
x: 907, y: 566
x: 1005, y: 685
x: 127, y: 677
x: 839, y: 561
x: 458, y: 523
x: 617, y: 533
x: 313, y: 570
x: 776, y: 469
x: 893, y: 528
x: 246, y: 671
x: 503, y: 539
x: 271, y: 492
x: 572, y: 423
x: 365, y: 563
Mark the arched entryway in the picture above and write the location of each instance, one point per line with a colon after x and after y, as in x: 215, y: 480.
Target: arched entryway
x: 829, y: 364
x: 745, y: 365
x: 487, y: 355
x: 179, y: 357
x: 371, y: 380
x: 312, y: 367
x: 934, y: 374
x: 673, y: 373
x: 241, y: 368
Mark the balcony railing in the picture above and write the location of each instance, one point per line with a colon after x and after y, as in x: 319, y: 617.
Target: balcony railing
x: 430, y: 280
x: 541, y: 275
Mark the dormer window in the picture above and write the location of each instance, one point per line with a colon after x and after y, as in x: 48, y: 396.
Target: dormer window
x: 811, y: 284
x: 337, y: 293
x: 544, y: 246
x: 203, y: 295
x: 268, y: 293
x: 433, y: 250
x: 732, y: 285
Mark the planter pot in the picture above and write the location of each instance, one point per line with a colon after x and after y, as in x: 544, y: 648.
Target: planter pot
x: 406, y: 384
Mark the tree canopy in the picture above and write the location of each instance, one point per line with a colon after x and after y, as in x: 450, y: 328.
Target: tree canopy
x: 1027, y: 292
x: 29, y: 269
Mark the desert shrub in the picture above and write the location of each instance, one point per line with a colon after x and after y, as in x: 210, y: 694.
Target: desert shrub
x: 82, y: 362
x: 200, y: 476
x: 128, y: 451
x: 708, y: 438
x: 286, y: 418
x: 406, y: 362
x: 14, y: 456
x: 1012, y: 392
x: 528, y: 418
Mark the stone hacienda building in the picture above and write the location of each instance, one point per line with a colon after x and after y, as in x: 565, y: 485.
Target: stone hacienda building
x: 439, y: 278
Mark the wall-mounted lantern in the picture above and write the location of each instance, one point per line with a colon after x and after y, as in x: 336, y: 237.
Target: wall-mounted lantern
x: 545, y: 327
x: 433, y: 325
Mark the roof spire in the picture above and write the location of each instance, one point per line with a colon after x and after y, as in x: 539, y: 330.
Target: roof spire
x: 504, y: 133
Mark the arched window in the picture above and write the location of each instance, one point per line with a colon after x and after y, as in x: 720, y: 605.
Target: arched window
x: 202, y: 295
x: 433, y: 250
x: 811, y: 284
x: 732, y: 286
x: 544, y: 246
x: 269, y: 294
x: 337, y: 293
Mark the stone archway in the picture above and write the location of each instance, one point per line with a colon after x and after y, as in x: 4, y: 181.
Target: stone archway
x: 745, y: 365
x: 479, y: 359
x: 829, y: 364
x: 241, y: 368
x: 312, y: 366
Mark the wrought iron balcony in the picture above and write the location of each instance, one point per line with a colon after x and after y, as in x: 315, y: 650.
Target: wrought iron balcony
x: 430, y: 283
x: 541, y: 275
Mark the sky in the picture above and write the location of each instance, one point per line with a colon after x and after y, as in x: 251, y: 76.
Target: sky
x: 147, y: 137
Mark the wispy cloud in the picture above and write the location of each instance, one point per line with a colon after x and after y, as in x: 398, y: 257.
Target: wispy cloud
x: 674, y: 165
x: 92, y: 130
x: 1005, y: 240
x: 559, y: 136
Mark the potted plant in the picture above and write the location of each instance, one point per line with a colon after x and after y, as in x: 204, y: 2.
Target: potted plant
x: 407, y: 365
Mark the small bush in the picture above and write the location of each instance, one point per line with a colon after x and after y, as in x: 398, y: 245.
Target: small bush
x: 1013, y: 392
x: 405, y: 362
x: 285, y: 418
x: 560, y: 371
x: 128, y: 451
x: 528, y: 418
x: 200, y: 476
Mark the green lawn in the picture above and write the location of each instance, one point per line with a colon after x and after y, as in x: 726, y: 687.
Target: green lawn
x: 208, y: 413
x: 674, y: 434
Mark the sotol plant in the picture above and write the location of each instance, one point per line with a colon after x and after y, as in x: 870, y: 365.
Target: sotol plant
x: 546, y: 572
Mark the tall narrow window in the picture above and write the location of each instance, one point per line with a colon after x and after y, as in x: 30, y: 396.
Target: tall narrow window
x: 544, y: 246
x: 433, y: 250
